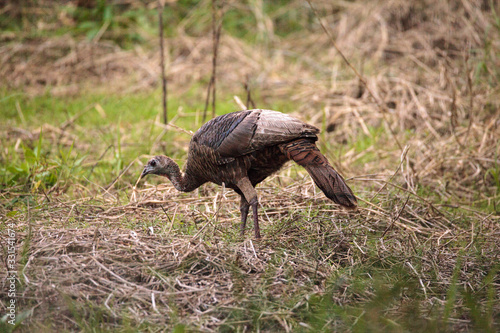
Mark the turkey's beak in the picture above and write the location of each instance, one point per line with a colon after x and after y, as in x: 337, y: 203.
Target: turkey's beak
x: 147, y: 170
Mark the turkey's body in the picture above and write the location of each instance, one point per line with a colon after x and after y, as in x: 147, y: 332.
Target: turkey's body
x: 240, y: 144
x: 243, y: 148
x: 257, y: 165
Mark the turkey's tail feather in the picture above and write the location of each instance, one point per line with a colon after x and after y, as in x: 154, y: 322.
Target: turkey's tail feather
x: 305, y: 153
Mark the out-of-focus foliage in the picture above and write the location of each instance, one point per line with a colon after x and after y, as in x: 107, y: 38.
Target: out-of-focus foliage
x: 129, y: 22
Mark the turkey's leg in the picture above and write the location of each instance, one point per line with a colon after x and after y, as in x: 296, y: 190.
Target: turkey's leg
x: 254, y: 203
x: 244, y: 206
x: 250, y: 194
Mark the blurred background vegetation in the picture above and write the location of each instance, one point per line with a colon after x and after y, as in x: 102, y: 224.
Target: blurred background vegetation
x: 80, y: 103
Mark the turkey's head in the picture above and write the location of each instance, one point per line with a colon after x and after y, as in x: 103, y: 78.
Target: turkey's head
x: 160, y: 165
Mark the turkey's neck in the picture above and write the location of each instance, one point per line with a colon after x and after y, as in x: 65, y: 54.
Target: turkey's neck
x: 183, y: 182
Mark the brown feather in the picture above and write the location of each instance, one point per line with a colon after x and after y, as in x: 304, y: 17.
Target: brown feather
x: 243, y: 148
x: 305, y: 153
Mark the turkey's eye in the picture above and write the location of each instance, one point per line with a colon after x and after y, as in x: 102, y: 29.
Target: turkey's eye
x: 152, y: 163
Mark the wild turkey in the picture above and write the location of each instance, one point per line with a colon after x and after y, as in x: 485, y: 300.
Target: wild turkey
x: 243, y: 148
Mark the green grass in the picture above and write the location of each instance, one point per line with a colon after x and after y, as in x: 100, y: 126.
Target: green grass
x: 105, y: 133
x: 130, y: 24
x: 117, y: 127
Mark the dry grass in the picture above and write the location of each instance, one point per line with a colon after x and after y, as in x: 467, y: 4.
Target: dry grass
x: 429, y: 208
x: 190, y: 267
x: 90, y: 263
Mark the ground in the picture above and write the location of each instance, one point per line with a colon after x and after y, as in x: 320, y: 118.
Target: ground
x: 415, y: 134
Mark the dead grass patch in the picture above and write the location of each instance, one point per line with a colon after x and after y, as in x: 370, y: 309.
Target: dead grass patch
x: 187, y: 264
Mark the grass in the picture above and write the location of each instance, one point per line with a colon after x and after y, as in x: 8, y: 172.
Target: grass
x: 113, y: 120
x: 322, y: 273
x: 130, y: 24
x: 314, y: 271
x: 81, y: 115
